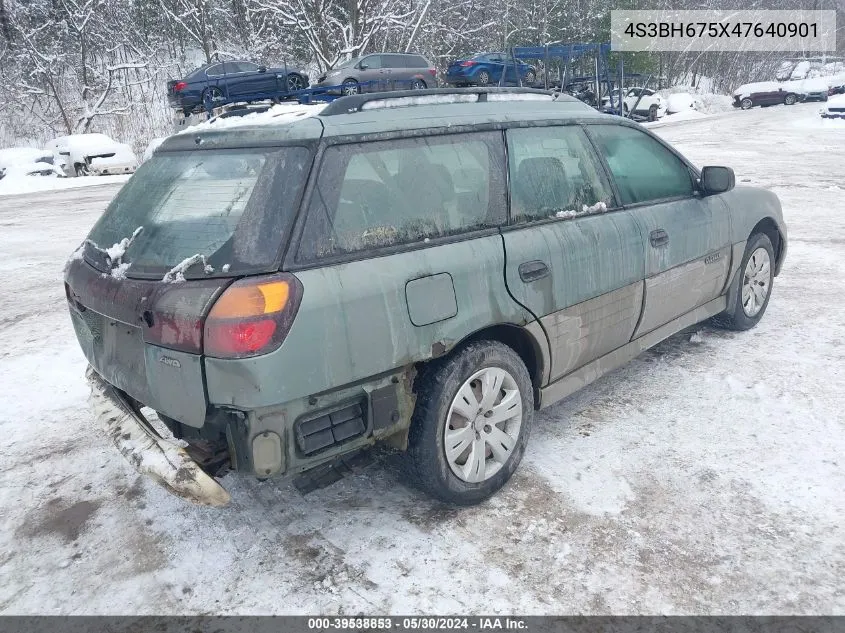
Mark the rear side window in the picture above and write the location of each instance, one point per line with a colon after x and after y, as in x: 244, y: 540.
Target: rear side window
x: 392, y: 61
x: 374, y: 195
x: 643, y: 169
x: 229, y: 206
x: 415, y: 61
x: 553, y: 172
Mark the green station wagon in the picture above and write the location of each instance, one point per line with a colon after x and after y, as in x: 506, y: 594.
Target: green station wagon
x: 424, y: 271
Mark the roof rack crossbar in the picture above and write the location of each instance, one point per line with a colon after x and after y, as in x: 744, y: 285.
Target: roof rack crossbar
x: 356, y: 103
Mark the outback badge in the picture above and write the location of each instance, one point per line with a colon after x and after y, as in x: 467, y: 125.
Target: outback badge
x: 171, y: 362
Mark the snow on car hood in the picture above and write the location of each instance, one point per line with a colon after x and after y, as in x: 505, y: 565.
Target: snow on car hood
x: 24, y: 170
x: 23, y: 156
x: 804, y: 86
x: 746, y: 90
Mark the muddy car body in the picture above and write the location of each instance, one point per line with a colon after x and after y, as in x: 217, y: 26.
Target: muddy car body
x: 423, y: 273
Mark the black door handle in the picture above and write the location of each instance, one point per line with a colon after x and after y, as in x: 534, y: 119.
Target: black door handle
x: 533, y: 270
x: 658, y: 237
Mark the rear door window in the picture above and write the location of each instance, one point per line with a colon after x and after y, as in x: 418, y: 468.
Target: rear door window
x: 643, y: 169
x: 246, y: 67
x: 393, y: 61
x: 215, y: 71
x: 374, y: 195
x: 230, y: 207
x: 554, y: 172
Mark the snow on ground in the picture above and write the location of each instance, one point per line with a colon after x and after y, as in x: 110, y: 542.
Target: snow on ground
x: 704, y: 477
x: 19, y: 184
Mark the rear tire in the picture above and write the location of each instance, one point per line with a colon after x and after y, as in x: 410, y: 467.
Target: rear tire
x: 80, y: 170
x: 483, y: 78
x: 418, y: 84
x: 756, y: 277
x: 530, y: 78
x: 488, y: 443
x: 790, y: 100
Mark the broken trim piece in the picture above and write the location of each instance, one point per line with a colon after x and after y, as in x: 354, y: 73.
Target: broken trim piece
x: 163, y: 460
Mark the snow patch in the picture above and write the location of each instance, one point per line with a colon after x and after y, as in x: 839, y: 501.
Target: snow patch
x: 177, y: 273
x: 280, y: 114
x: 598, y: 207
x: 16, y: 184
x: 117, y: 251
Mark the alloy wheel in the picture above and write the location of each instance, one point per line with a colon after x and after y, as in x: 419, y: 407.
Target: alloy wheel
x: 295, y: 83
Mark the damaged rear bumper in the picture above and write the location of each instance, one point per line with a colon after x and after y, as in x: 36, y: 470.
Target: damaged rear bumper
x: 158, y: 457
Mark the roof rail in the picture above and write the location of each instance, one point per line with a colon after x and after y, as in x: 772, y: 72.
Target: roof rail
x: 379, y: 100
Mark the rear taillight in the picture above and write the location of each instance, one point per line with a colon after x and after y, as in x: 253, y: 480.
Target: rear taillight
x: 469, y: 62
x: 179, y: 85
x: 172, y: 315
x: 432, y: 72
x: 252, y: 316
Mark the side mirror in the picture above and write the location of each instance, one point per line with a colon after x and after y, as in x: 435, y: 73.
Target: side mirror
x: 363, y: 66
x: 262, y: 69
x: 717, y: 180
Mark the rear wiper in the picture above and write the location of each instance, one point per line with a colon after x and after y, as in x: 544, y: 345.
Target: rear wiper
x: 177, y: 273
x: 113, y: 256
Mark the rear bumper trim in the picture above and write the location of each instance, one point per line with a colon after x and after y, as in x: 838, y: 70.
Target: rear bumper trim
x: 161, y: 459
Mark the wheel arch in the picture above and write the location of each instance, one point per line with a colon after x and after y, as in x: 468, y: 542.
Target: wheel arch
x: 518, y: 338
x: 770, y: 228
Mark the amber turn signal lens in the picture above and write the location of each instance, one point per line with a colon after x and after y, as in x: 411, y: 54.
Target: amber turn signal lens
x: 246, y: 301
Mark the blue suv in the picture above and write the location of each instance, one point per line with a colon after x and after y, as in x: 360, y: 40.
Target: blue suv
x: 484, y: 69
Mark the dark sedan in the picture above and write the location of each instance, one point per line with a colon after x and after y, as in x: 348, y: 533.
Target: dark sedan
x: 484, y: 69
x: 225, y: 82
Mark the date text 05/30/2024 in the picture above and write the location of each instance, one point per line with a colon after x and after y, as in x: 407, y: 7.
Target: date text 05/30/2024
x: 419, y: 623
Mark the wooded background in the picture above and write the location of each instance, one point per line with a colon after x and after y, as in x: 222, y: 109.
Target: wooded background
x: 102, y: 65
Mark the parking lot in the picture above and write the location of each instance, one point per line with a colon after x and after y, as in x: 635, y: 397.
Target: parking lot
x: 704, y: 477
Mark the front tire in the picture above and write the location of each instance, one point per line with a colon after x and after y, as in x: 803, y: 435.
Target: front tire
x: 470, y: 424
x: 351, y: 87
x: 80, y: 170
x: 746, y: 104
x: 530, y: 78
x: 418, y: 84
x: 754, y: 289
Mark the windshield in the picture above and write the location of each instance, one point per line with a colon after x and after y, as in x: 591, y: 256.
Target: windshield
x: 226, y: 208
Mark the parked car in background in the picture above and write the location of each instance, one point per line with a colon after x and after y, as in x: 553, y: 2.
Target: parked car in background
x: 29, y: 161
x: 834, y: 108
x: 813, y: 89
x: 380, y: 72
x: 221, y: 82
x: 414, y: 293
x: 484, y: 69
x: 93, y: 155
x: 836, y: 85
x: 764, y: 93
x: 644, y: 102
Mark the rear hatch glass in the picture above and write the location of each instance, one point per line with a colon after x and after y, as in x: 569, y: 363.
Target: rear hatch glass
x: 201, y: 213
